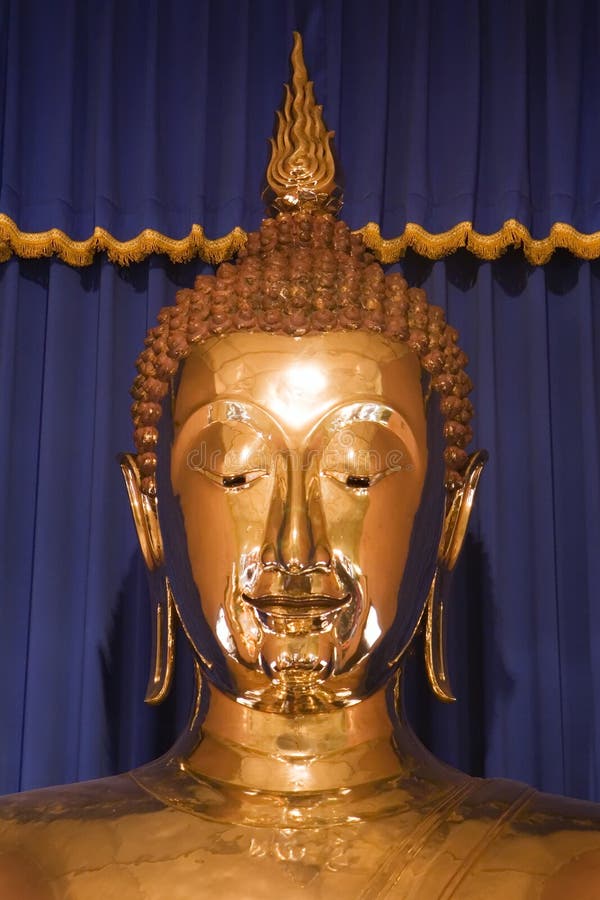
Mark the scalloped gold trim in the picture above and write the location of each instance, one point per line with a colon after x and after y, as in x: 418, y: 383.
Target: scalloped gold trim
x: 485, y: 246
x: 81, y: 253
x: 388, y: 250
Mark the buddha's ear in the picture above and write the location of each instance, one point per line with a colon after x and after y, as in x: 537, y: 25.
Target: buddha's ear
x: 147, y: 526
x: 145, y: 514
x: 456, y: 521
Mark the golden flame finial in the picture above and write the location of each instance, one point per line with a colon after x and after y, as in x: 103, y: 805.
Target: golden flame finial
x: 301, y: 172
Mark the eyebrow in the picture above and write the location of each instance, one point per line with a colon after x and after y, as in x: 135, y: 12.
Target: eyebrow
x: 234, y: 411
x: 372, y: 411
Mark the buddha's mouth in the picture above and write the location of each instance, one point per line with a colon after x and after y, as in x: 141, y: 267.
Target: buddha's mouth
x: 312, y: 592
x: 296, y: 605
x: 273, y: 603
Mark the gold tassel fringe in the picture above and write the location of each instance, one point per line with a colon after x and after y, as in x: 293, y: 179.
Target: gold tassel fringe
x: 387, y: 250
x: 485, y: 246
x: 31, y: 245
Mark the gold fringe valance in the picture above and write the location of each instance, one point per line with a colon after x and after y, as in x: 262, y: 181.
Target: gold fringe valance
x: 388, y: 250
x: 55, y: 242
x: 485, y: 246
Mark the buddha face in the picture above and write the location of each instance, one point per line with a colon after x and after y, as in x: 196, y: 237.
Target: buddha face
x: 299, y: 466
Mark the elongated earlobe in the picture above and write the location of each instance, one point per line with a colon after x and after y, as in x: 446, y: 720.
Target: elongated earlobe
x: 453, y: 535
x: 163, y: 648
x: 145, y: 514
x: 145, y: 517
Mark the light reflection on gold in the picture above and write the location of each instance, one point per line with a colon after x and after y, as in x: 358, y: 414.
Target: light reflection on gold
x: 301, y: 389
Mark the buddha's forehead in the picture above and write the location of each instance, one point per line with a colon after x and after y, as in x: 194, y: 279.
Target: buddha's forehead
x: 298, y: 379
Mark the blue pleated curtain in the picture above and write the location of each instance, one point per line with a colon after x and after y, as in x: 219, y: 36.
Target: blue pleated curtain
x: 153, y: 115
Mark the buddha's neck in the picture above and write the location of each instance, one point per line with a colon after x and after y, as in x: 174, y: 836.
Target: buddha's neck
x: 316, y: 752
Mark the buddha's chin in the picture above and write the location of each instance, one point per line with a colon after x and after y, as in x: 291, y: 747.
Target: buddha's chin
x: 300, y: 668
x: 300, y: 657
x: 298, y: 677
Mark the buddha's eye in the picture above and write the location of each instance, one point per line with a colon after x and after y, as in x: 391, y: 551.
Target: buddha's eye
x: 230, y: 481
x: 231, y: 455
x: 239, y: 480
x: 358, y: 481
x: 360, y: 456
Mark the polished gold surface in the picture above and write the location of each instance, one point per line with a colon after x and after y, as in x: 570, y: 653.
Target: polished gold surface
x: 301, y: 538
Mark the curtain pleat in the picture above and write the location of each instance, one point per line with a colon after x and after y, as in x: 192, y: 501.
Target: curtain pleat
x: 574, y: 413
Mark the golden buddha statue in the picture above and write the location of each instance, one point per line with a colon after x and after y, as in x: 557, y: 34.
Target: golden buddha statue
x: 302, y: 419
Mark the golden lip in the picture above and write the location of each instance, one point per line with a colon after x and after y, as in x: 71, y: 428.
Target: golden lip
x: 299, y: 605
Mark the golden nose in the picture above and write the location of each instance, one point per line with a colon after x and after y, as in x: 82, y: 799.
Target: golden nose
x: 296, y: 539
x: 295, y: 536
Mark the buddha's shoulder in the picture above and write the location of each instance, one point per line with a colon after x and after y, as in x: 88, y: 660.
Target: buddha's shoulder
x: 541, y: 842
x: 103, y: 798
x: 516, y: 813
x: 567, y: 833
x: 513, y: 805
x: 54, y: 836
